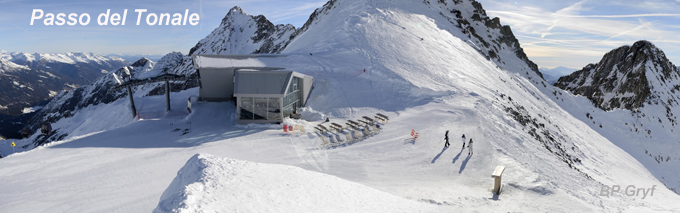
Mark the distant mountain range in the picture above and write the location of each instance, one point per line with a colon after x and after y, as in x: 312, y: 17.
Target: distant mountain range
x: 29, y: 78
x: 551, y: 75
x: 135, y: 57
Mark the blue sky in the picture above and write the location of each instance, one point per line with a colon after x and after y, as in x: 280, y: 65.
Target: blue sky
x: 16, y: 33
x: 566, y: 33
x: 574, y: 33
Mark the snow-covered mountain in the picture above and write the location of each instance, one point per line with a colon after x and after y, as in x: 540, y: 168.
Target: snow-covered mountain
x: 239, y: 33
x: 627, y: 78
x: 135, y: 57
x: 34, y: 60
x: 68, y: 103
x: 28, y: 79
x: 422, y: 68
x: 631, y: 97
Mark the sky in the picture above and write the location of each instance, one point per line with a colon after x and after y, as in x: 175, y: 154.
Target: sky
x: 564, y: 33
x: 17, y: 35
x: 575, y: 33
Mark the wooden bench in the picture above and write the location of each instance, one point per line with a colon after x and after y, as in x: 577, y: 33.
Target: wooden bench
x: 338, y: 126
x: 368, y: 119
x: 496, y: 175
x: 380, y: 119
x: 383, y: 116
x: 365, y: 122
x: 322, y: 127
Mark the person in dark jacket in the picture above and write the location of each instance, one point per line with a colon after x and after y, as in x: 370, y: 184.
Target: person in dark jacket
x: 463, y: 141
x: 446, y: 137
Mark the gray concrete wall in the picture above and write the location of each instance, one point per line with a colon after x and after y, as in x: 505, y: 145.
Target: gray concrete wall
x: 306, y: 88
x: 217, y: 84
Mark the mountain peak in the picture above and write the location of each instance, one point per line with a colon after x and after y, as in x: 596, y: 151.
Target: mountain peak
x: 626, y: 77
x: 141, y: 62
x: 241, y: 33
x: 642, y: 43
x: 237, y: 10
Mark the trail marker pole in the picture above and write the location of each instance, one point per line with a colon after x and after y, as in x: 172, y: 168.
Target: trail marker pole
x: 13, y: 145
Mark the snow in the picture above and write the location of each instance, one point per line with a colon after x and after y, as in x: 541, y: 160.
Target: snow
x: 207, y: 183
x: 31, y: 109
x: 52, y: 93
x: 238, y: 33
x: 68, y: 57
x: 209, y: 62
x: 649, y: 134
x: 110, y: 162
x: 8, y: 66
x: 165, y: 64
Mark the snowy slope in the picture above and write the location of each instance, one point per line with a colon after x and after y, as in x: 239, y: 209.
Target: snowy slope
x: 67, y: 58
x: 8, y: 66
x: 68, y: 104
x: 207, y: 184
x: 554, y: 161
x: 42, y: 76
x: 637, y: 85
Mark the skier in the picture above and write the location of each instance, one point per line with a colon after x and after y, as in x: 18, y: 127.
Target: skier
x: 446, y: 137
x: 463, y: 141
x: 470, y: 146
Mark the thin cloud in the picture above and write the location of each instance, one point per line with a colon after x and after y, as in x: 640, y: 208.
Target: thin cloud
x: 296, y: 11
x: 575, y: 34
x: 627, y: 16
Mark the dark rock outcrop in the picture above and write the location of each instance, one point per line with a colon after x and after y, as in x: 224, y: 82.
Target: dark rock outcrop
x: 624, y: 78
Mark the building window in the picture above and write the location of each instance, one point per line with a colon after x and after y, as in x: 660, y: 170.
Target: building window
x: 260, y: 109
x: 273, y: 111
x: 291, y: 101
x: 246, y: 109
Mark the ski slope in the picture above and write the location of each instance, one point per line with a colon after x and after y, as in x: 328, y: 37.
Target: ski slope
x: 429, y: 85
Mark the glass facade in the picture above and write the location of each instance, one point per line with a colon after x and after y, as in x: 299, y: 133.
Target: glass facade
x: 246, y: 109
x: 274, y: 109
x: 291, y: 102
x: 268, y: 108
x: 259, y: 108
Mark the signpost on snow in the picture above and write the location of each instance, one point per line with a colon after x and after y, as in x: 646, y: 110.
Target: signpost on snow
x: 13, y: 145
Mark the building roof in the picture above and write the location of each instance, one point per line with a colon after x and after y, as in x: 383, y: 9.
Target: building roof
x: 261, y: 82
x: 237, y: 61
